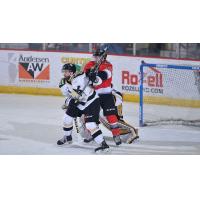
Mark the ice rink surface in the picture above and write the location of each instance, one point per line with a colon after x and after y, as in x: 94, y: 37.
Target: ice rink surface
x: 31, y: 125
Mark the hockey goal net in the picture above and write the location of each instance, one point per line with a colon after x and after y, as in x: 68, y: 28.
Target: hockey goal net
x: 172, y: 95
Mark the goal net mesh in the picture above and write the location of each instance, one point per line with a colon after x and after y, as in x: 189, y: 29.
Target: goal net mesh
x: 171, y: 95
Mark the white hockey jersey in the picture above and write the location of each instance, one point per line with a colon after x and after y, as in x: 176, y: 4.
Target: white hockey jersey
x: 66, y: 89
x: 86, y: 93
x: 79, y: 89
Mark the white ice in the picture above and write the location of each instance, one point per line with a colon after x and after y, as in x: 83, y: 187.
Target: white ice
x: 32, y: 125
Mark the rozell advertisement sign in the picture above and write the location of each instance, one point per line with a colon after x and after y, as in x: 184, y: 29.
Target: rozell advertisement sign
x: 153, y: 82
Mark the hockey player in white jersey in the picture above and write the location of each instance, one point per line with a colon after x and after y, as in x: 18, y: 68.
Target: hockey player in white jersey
x: 82, y: 100
x: 69, y: 71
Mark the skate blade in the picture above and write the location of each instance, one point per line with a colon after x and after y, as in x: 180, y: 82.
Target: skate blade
x: 66, y: 143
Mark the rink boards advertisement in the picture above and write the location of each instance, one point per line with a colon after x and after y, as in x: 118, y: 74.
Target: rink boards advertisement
x: 40, y: 72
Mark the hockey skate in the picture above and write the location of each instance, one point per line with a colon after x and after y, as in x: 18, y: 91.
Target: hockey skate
x: 65, y: 139
x: 88, y: 140
x: 103, y: 147
x: 117, y: 140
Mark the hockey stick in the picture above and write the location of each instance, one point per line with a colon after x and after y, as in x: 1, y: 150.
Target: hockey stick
x: 95, y: 70
x: 76, y: 125
x: 98, y: 63
x: 96, y: 67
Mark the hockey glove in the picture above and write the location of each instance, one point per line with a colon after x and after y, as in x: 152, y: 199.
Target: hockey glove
x: 92, y: 76
x: 73, y: 102
x: 75, y: 94
x: 64, y: 107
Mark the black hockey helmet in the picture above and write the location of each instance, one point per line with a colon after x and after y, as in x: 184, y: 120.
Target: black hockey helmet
x: 69, y: 66
x: 99, y: 52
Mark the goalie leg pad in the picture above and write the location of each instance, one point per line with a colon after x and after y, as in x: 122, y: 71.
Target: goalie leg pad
x: 128, y: 132
x: 124, y: 125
